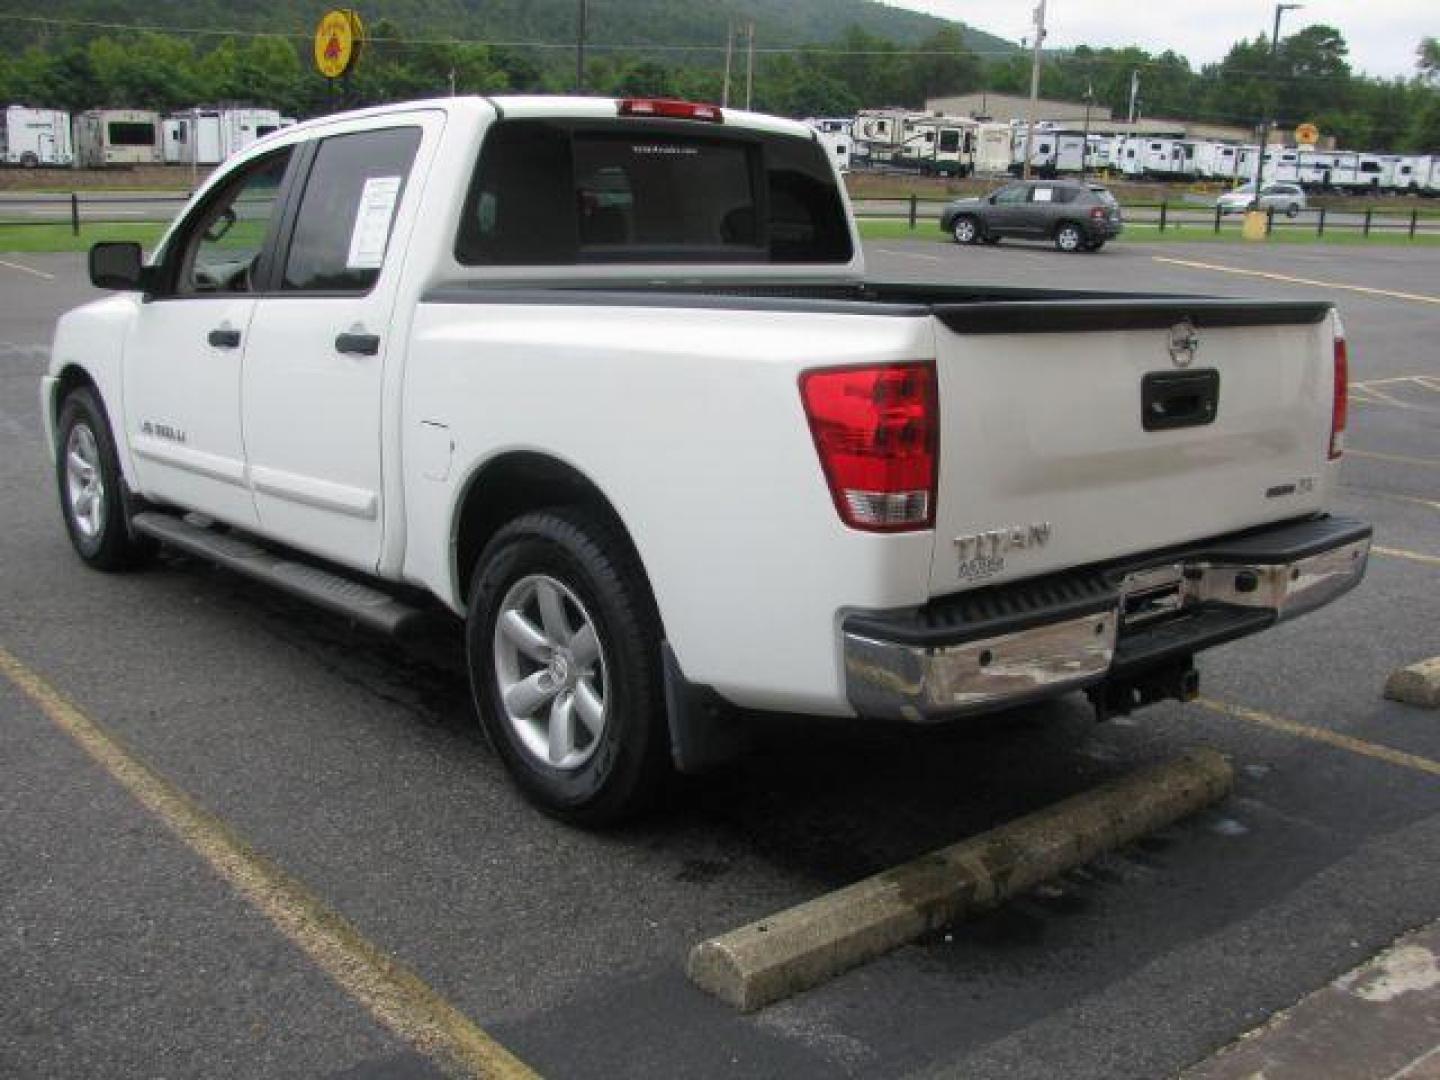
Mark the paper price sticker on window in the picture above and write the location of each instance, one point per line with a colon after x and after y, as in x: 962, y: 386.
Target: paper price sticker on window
x: 372, y: 223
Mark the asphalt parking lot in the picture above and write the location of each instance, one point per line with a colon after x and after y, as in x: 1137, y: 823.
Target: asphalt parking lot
x: 353, y: 767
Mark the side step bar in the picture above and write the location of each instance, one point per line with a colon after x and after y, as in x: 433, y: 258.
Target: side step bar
x: 358, y: 601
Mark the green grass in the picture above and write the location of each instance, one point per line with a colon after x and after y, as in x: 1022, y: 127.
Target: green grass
x: 56, y: 236
x: 884, y: 229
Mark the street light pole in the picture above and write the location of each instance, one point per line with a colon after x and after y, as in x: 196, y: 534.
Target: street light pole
x: 1280, y: 10
x: 1034, y: 85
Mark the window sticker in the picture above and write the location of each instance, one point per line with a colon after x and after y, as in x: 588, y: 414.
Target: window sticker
x: 372, y: 223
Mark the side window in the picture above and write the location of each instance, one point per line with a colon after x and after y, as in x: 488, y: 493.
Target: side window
x: 345, y: 216
x: 220, y: 248
x: 1012, y: 196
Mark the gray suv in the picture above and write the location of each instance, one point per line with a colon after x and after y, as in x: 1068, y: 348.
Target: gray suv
x: 1076, y: 216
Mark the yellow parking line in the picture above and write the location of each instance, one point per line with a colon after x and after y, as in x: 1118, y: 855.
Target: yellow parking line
x: 1322, y: 735
x: 1399, y: 459
x: 395, y: 996
x: 1401, y: 553
x: 1418, y: 298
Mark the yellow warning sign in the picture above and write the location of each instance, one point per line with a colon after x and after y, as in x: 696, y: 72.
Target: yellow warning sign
x: 337, y: 42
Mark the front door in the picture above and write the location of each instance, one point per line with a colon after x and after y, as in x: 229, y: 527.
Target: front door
x: 1006, y: 214
x: 315, y: 368
x: 186, y: 349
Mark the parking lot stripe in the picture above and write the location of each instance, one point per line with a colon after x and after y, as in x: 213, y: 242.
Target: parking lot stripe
x: 395, y: 996
x: 1322, y: 735
x: 1418, y: 298
x: 1401, y: 553
x: 27, y: 270
x: 1399, y: 459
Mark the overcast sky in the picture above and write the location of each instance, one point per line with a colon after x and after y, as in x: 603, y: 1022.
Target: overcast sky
x: 1382, y: 34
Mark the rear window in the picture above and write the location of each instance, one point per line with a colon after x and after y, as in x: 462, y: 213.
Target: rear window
x: 1103, y: 194
x: 549, y: 193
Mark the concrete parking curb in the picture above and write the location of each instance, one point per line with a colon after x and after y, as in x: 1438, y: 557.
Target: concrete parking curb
x: 804, y: 946
x: 1418, y: 684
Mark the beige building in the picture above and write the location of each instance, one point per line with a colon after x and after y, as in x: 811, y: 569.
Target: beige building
x: 1006, y: 107
x: 1003, y: 107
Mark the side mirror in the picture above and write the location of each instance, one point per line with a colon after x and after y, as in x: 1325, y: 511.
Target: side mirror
x: 117, y: 265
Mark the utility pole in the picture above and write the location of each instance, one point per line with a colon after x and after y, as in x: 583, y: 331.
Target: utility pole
x: 1134, y: 94
x: 749, y: 64
x: 452, y: 82
x: 1085, y: 146
x: 729, y: 49
x: 1280, y: 10
x: 1034, y: 85
x: 580, y: 46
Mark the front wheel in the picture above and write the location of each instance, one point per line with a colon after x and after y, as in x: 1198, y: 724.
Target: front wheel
x: 563, y: 647
x: 1068, y: 237
x: 87, y: 473
x: 965, y: 229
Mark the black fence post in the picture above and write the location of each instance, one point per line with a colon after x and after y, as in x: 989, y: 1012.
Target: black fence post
x: 1269, y: 220
x: 1320, y: 228
x: 1368, y: 212
x: 74, y: 214
x: 1164, y: 212
x: 1414, y: 217
x: 1217, y: 219
x: 913, y: 201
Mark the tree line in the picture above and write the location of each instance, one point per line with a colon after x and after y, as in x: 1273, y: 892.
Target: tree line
x: 1307, y: 79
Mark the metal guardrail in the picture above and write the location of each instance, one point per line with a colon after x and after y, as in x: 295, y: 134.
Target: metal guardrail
x: 1186, y: 215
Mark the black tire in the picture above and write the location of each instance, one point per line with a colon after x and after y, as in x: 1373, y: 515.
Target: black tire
x: 103, y: 541
x: 628, y: 760
x: 1092, y: 246
x: 29, y: 160
x: 991, y: 239
x: 966, y: 229
x: 1069, y: 237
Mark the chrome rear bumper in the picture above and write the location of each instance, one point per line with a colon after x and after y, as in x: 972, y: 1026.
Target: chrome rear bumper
x: 1075, y: 631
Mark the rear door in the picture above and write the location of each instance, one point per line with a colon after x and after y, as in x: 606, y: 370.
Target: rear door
x: 1051, y: 446
x: 322, y: 340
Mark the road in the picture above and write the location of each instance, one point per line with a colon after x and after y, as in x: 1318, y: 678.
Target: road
x: 353, y: 767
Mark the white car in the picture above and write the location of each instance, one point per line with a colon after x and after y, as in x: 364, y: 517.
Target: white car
x: 606, y: 380
x: 1287, y: 199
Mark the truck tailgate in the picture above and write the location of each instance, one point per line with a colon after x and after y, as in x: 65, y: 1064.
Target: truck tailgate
x: 1074, y: 432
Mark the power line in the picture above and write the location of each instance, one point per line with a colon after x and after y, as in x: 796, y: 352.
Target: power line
x: 640, y: 47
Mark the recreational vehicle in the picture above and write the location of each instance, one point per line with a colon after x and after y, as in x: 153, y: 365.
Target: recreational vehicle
x: 117, y: 137
x: 33, y: 137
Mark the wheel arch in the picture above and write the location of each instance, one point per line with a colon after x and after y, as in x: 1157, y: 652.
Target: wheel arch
x: 518, y: 482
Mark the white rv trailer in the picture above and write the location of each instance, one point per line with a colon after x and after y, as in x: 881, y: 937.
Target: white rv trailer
x: 1052, y: 150
x: 878, y: 134
x: 118, y: 137
x: 1323, y: 170
x: 34, y: 137
x: 943, y: 145
x: 992, y: 148
x: 1411, y: 172
x: 1374, y: 173
x: 1216, y: 160
x: 204, y: 136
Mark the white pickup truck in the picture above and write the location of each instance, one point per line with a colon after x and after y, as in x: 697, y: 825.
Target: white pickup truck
x: 606, y: 379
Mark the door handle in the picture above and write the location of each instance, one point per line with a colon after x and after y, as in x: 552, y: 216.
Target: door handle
x: 358, y: 344
x: 225, y: 339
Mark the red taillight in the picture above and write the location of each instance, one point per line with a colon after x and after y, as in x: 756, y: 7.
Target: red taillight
x: 1098, y: 213
x: 667, y: 109
x: 1340, y: 413
x: 877, y: 432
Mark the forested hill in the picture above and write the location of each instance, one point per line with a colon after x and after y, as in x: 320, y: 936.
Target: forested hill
x: 611, y: 22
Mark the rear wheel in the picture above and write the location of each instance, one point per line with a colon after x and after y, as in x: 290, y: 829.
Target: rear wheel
x: 965, y: 229
x: 991, y: 239
x: 92, y: 499
x: 563, y: 647
x: 1092, y: 245
x: 1068, y: 236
